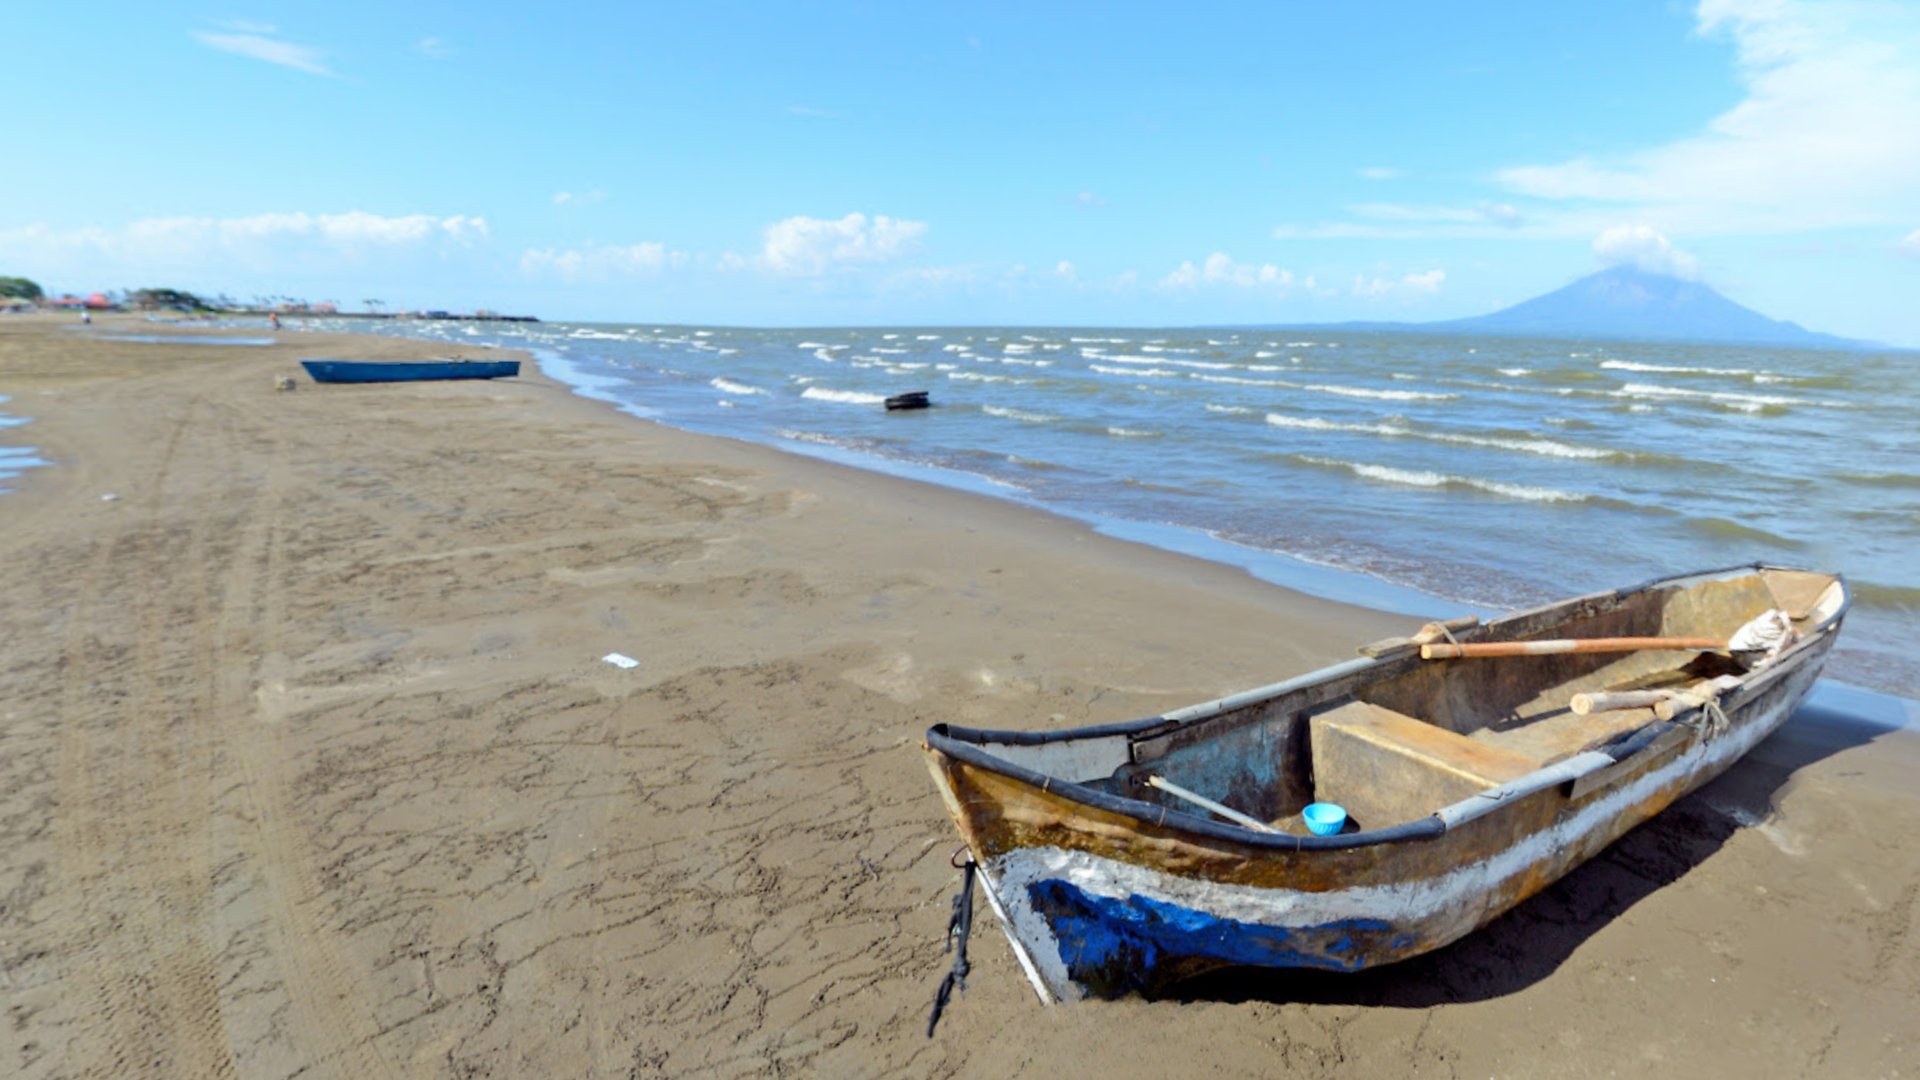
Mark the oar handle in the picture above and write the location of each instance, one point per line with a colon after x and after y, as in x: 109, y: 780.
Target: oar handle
x: 1554, y: 646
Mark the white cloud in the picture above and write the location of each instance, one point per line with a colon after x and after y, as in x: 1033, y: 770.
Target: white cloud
x: 599, y: 262
x: 1828, y: 132
x: 259, y: 46
x: 434, y: 47
x: 1220, y: 269
x: 1640, y: 246
x: 1911, y: 245
x: 806, y: 246
x: 1088, y: 199
x: 1065, y: 270
x: 1378, y: 172
x: 269, y: 243
x: 1419, y: 283
x: 578, y: 198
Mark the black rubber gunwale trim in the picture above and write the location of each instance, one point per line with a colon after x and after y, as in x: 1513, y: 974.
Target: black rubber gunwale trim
x: 1154, y: 814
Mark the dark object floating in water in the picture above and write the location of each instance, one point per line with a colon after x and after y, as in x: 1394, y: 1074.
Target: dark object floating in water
x: 912, y: 399
x: 366, y: 371
x: 1127, y: 856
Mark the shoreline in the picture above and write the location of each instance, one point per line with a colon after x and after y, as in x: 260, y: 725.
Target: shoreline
x: 1336, y: 556
x: 308, y: 728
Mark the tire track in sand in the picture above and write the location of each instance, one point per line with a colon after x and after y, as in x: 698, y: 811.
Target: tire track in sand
x: 134, y: 779
x: 333, y: 1029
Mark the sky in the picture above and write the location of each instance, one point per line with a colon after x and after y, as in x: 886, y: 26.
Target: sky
x: 969, y: 164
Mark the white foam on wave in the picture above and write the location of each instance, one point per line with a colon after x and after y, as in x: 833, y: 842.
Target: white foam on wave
x: 1742, y: 402
x: 1380, y: 395
x: 1514, y: 372
x: 729, y: 386
x: 975, y: 376
x: 926, y: 337
x: 1231, y: 410
x: 1021, y: 415
x: 1541, y: 447
x: 1136, y: 372
x: 1169, y: 361
x: 844, y: 397
x: 1423, y: 478
x: 1132, y: 433
x: 1631, y: 365
x: 891, y: 352
x: 1236, y: 380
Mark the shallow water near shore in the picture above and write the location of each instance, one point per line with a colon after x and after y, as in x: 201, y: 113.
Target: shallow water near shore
x: 1419, y: 473
x: 14, y: 459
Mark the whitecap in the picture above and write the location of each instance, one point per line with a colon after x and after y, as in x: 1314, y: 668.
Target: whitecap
x: 845, y: 397
x: 1143, y: 373
x: 1018, y: 414
x: 1381, y: 395
x: 1425, y: 478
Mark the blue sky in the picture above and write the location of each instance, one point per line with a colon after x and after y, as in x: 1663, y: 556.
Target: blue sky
x: 980, y: 163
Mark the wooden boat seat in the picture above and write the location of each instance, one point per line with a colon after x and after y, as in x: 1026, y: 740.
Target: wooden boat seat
x: 1548, y: 731
x: 1554, y: 736
x: 1386, y: 767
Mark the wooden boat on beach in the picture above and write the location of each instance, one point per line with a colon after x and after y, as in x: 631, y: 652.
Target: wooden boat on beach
x: 372, y: 371
x: 1476, y: 765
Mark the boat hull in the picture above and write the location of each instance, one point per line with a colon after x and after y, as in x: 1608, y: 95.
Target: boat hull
x: 1099, y: 902
x: 378, y: 371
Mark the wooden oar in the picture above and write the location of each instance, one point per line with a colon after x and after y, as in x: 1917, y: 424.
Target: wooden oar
x: 1552, y: 646
x: 1202, y: 801
x: 1610, y: 700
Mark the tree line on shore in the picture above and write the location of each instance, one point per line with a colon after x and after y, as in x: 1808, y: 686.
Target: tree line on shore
x: 149, y: 299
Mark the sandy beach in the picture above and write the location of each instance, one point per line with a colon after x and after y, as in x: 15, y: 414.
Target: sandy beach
x: 310, y: 765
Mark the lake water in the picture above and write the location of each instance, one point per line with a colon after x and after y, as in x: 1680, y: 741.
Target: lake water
x: 1429, y: 474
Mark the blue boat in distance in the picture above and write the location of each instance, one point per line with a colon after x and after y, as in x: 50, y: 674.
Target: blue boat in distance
x: 371, y: 371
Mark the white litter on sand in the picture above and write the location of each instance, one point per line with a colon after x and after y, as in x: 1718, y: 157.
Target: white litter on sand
x: 621, y: 660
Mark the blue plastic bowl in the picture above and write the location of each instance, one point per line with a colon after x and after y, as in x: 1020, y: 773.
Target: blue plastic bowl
x: 1325, y: 818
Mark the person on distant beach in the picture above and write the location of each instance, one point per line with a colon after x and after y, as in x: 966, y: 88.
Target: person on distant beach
x: 86, y: 317
x: 273, y: 317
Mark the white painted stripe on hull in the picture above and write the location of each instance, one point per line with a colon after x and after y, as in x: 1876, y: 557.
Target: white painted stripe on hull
x: 1440, y: 908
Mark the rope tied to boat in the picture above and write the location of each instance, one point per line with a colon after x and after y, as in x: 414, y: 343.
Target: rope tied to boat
x: 960, y: 925
x: 1716, y: 722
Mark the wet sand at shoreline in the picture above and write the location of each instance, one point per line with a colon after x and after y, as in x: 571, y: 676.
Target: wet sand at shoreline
x: 311, y: 766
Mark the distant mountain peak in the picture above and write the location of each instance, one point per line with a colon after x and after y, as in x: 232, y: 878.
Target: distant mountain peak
x: 1624, y: 302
